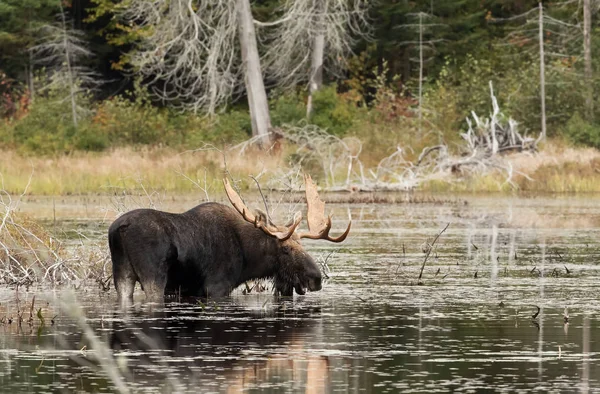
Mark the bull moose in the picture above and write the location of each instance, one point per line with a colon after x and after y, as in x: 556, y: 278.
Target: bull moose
x: 211, y: 249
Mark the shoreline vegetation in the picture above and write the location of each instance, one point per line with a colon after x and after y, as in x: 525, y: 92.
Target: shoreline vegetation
x: 556, y: 168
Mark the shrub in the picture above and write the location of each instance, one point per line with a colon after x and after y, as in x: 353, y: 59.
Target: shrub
x: 47, y: 128
x: 288, y: 108
x: 333, y: 112
x: 225, y: 128
x: 582, y: 132
x: 127, y: 122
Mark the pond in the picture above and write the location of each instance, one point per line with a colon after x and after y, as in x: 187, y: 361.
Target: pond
x: 507, y: 300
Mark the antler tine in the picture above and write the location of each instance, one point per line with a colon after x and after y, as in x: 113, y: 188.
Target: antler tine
x: 318, y: 225
x: 260, y: 221
x: 238, y: 204
x: 324, y: 234
x: 291, y: 229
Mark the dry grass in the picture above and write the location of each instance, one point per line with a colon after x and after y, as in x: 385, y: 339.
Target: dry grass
x: 124, y: 169
x: 560, y: 168
x: 557, y: 168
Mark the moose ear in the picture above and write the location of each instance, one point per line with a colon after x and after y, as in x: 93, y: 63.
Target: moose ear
x: 263, y: 217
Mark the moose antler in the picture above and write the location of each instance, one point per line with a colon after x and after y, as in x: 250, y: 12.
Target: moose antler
x: 260, y: 221
x: 318, y: 224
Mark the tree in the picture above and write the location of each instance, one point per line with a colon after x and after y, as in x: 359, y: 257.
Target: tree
x: 19, y: 20
x: 62, y: 52
x: 425, y: 26
x: 551, y: 38
x: 193, y: 54
x: 311, y: 36
x: 587, y: 53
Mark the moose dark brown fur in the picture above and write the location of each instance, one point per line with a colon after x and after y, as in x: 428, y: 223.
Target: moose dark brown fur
x: 211, y: 249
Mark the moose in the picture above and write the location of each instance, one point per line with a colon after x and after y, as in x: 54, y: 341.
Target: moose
x: 211, y: 249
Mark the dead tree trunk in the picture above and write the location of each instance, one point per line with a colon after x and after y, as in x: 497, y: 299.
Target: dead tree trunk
x: 587, y: 54
x: 542, y: 73
x: 316, y: 70
x: 255, y: 88
x: 420, y: 73
x: 316, y: 66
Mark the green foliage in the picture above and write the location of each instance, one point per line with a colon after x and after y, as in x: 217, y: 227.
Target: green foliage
x: 382, y: 76
x: 582, y: 132
x: 87, y: 139
x: 18, y: 21
x: 138, y: 122
x: 333, y: 112
x: 126, y: 122
x: 288, y: 108
x: 47, y: 128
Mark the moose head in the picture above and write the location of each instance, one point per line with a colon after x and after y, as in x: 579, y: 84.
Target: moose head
x: 294, y: 268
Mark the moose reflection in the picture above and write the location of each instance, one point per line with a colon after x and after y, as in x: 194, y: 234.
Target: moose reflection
x: 190, y: 344
x: 211, y: 249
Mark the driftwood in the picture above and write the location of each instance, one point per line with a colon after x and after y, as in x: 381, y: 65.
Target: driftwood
x: 496, y: 134
x: 486, y: 140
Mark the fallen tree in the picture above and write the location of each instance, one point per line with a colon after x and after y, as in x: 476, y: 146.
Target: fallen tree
x: 487, y: 139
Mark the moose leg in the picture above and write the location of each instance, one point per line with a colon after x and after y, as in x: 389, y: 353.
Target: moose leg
x: 154, y: 282
x: 124, y: 279
x: 154, y: 277
x: 218, y: 289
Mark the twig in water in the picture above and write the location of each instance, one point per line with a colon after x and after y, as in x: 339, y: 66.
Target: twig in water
x: 535, y: 315
x: 41, y: 317
x: 31, y: 311
x: 566, y: 269
x: 533, y: 270
x: 429, y: 251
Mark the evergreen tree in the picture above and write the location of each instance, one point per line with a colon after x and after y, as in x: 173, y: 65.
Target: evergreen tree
x: 19, y: 20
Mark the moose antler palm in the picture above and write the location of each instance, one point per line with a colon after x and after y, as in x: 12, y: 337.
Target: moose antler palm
x: 318, y: 224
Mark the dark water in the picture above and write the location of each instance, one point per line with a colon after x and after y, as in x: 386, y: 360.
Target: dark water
x: 466, y: 325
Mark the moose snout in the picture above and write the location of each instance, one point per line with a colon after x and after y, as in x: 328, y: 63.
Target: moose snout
x: 314, y: 284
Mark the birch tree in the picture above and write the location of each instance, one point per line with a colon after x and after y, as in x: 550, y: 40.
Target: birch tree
x: 195, y: 55
x: 62, y: 51
x: 313, y: 36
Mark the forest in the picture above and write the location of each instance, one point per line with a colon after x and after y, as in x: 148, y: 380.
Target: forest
x: 299, y: 196
x: 385, y: 82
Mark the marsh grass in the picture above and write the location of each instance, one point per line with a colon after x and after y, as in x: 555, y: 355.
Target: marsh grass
x: 123, y: 169
x: 556, y: 168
